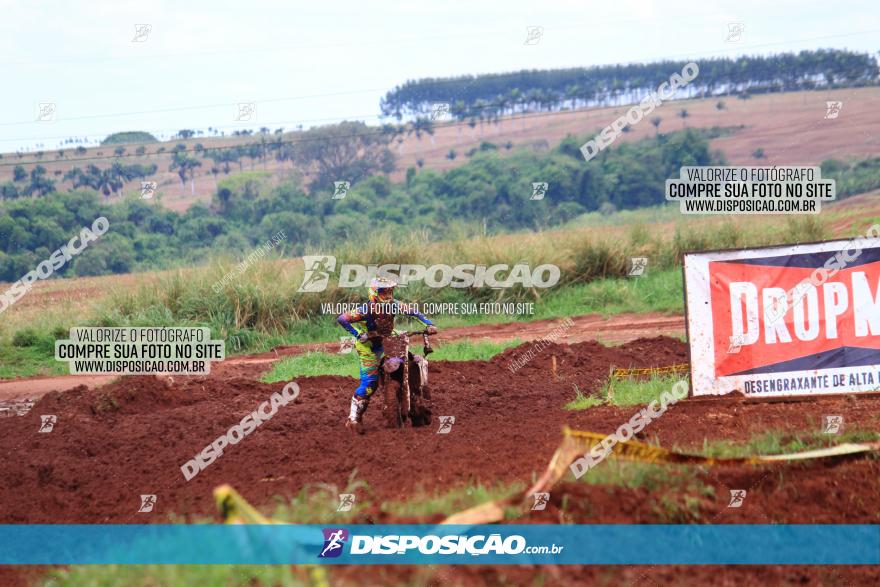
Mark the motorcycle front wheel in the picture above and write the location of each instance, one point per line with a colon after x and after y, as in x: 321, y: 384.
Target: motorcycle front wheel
x: 393, y: 398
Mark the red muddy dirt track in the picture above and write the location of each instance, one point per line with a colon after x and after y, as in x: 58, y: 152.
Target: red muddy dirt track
x: 116, y: 442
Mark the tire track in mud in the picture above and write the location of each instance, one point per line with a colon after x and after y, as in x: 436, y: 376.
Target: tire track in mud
x: 113, y: 443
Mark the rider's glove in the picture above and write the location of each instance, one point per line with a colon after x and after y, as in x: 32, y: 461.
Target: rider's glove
x: 432, y: 329
x: 363, y: 337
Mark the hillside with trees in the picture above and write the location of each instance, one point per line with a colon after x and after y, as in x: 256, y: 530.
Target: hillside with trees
x: 490, y: 189
x: 532, y: 109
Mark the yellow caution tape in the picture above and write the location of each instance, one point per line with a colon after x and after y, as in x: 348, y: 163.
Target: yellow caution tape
x: 621, y: 373
x: 485, y: 513
x: 583, y: 442
x: 577, y: 443
x: 822, y: 453
x: 680, y: 368
x: 648, y: 453
x: 234, y: 509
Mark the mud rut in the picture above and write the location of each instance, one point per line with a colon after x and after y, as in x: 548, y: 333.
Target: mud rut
x: 114, y: 443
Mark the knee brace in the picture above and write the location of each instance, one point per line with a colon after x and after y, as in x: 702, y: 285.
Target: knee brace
x: 368, y: 385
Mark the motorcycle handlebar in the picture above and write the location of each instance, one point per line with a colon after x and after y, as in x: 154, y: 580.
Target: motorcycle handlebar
x: 407, y: 332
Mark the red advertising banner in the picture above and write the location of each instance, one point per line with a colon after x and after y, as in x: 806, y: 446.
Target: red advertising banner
x: 791, y: 320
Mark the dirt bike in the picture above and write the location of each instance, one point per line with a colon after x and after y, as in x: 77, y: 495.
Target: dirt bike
x: 403, y: 381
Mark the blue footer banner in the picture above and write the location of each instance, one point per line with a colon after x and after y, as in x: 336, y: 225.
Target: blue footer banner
x: 282, y: 544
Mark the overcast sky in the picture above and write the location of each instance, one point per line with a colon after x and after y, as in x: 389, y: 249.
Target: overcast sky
x: 321, y: 62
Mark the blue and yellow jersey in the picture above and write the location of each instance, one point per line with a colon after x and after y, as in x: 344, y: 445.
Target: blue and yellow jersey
x: 363, y: 319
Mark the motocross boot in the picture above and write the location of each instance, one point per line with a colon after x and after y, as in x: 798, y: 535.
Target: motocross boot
x: 356, y: 414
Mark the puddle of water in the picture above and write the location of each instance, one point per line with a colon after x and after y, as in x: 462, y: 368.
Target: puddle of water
x: 15, y: 408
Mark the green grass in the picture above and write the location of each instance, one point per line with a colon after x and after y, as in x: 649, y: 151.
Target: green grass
x: 31, y: 352
x: 173, y: 576
x: 452, y: 501
x: 630, y: 392
x: 312, y: 365
x: 29, y: 362
x: 629, y: 474
x: 772, y: 442
x: 320, y: 363
x: 581, y: 401
x: 316, y: 504
x: 682, y: 507
x: 666, y: 213
x: 466, y: 350
x: 676, y: 493
x: 657, y: 290
x: 625, y: 392
x: 262, y: 309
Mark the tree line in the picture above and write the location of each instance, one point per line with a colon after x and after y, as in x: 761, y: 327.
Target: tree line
x: 489, y: 96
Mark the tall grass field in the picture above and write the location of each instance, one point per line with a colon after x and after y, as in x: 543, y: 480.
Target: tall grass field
x: 260, y: 307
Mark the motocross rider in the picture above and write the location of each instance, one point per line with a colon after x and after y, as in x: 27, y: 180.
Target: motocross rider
x: 363, y: 323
